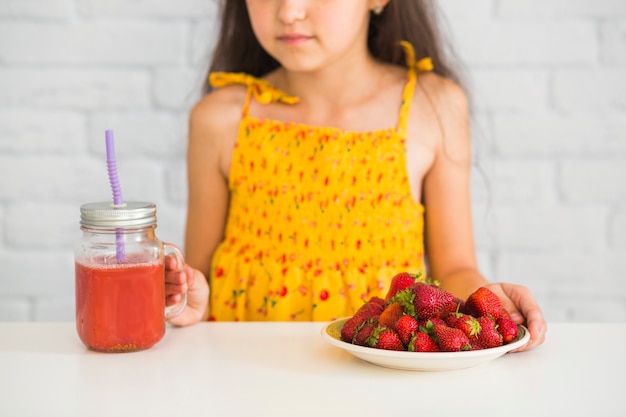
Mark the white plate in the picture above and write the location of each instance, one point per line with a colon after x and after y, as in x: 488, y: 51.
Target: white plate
x: 421, y: 361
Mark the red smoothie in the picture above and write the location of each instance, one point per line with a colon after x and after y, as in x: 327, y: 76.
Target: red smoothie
x: 120, y: 308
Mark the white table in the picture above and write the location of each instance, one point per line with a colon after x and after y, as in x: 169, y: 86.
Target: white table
x: 286, y: 369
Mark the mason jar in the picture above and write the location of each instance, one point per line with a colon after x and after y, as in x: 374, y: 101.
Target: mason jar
x: 120, y: 277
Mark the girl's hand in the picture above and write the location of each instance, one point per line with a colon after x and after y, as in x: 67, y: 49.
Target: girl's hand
x: 177, y: 281
x: 521, y: 304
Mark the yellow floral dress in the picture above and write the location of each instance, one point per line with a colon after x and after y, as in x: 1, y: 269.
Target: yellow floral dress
x: 320, y: 219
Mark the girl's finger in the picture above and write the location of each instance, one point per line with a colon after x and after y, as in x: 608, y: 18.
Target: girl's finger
x: 169, y: 262
x: 170, y: 300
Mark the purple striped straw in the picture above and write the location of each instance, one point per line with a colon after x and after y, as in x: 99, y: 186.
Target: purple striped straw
x: 117, y: 193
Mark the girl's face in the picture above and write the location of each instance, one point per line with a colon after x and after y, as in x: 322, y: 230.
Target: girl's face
x: 307, y: 35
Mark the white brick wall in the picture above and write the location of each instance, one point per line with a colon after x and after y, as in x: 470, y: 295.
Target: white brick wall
x: 548, y: 79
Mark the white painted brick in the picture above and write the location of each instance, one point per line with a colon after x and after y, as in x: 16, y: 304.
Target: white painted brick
x: 527, y: 182
x: 484, y: 260
x: 593, y: 180
x: 481, y: 186
x: 55, y: 308
x: 472, y: 10
x: 559, y: 9
x: 171, y: 223
x: 597, y: 309
x: 481, y: 181
x: 552, y: 311
x: 597, y: 90
x: 96, y: 42
x: 202, y: 42
x: 481, y: 136
x: 484, y: 226
x: 549, y: 91
x: 583, y: 309
x: 614, y: 41
x: 41, y: 225
x: 37, y: 273
x: 141, y: 179
x: 178, y: 88
x: 511, y: 89
x: 36, y: 8
x: 152, y: 133
x: 176, y: 183
x: 74, y: 88
x: 482, y: 160
x: 552, y: 134
x: 617, y: 230
x: 53, y: 179
x: 515, y: 43
x: 529, y: 227
x: 148, y: 8
x: 593, y: 273
x: 15, y: 309
x: 2, y: 222
x: 41, y: 131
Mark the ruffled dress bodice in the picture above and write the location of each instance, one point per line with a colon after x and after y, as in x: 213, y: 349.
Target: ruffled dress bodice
x: 319, y: 219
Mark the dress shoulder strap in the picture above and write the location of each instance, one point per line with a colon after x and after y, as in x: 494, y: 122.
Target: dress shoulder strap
x: 261, y: 90
x: 423, y: 65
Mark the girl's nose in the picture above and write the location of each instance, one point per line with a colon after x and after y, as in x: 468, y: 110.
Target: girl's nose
x: 291, y: 11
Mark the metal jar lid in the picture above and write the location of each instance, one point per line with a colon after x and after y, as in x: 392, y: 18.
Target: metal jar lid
x: 106, y: 215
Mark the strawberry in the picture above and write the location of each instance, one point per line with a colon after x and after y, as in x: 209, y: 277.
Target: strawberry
x: 431, y: 301
x: 453, y: 307
x: 459, y: 303
x: 475, y: 344
x: 406, y: 298
x: 427, y: 325
x: 365, y: 331
x: 468, y: 324
x: 450, y: 339
x: 449, y: 308
x: 451, y: 318
x: 350, y: 327
x: 377, y: 300
x: 421, y: 342
x: 488, y: 337
x: 483, y: 302
x: 406, y: 326
x: 399, y: 282
x: 366, y: 311
x: 385, y: 338
x: 437, y: 320
x: 507, y: 328
x: 391, y: 315
x: 504, y: 314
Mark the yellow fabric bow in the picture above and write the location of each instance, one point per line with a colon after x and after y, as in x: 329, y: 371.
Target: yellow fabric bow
x: 262, y: 91
x: 424, y: 64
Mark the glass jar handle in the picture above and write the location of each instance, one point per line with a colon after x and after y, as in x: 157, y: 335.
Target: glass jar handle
x: 176, y: 309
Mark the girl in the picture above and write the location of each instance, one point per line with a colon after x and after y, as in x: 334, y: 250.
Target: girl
x: 325, y: 159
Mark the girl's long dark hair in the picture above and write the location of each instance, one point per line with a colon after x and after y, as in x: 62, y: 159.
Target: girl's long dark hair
x: 416, y: 21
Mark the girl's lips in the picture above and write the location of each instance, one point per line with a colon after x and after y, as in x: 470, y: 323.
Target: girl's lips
x: 294, y: 39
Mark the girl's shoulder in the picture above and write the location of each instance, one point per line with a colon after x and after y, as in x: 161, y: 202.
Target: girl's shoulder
x: 223, y: 96
x: 439, y: 114
x: 440, y: 91
x: 214, y: 122
x: 440, y: 106
x: 219, y: 109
